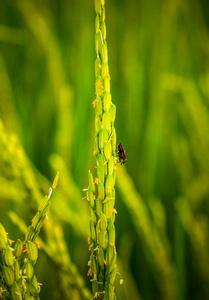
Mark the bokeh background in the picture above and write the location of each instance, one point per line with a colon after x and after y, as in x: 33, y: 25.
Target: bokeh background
x: 159, y: 66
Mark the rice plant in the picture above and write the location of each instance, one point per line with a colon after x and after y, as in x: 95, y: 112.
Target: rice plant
x: 18, y: 279
x: 101, y: 190
x: 158, y: 54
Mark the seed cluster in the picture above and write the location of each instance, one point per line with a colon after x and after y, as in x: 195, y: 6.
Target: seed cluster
x: 18, y: 281
x: 101, y: 191
x: 17, y: 264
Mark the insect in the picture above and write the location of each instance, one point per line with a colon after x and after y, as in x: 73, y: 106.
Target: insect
x: 122, y: 154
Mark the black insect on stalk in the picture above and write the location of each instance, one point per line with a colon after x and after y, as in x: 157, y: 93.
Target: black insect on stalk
x: 122, y: 154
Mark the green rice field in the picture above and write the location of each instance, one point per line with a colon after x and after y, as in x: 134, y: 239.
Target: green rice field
x: 158, y: 56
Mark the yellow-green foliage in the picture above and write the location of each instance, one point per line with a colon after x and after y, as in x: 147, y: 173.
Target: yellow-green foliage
x: 158, y: 58
x: 18, y: 279
x: 101, y: 190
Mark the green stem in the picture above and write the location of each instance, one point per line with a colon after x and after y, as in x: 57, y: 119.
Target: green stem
x: 101, y: 191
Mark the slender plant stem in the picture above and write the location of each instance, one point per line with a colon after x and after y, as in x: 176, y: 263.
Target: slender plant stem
x: 101, y: 191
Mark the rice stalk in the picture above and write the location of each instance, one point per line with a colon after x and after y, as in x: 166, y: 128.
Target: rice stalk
x: 17, y: 264
x: 101, y: 191
x: 55, y: 247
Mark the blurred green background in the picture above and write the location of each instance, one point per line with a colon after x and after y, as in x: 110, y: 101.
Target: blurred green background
x: 159, y: 67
